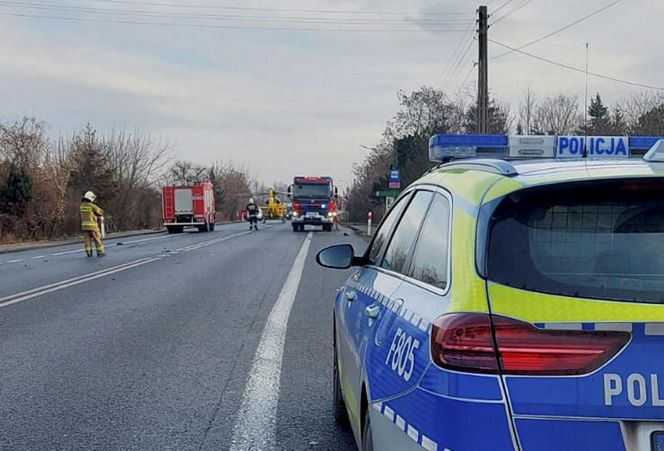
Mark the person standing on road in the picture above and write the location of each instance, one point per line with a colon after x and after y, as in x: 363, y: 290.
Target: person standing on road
x: 252, y: 214
x: 91, y: 214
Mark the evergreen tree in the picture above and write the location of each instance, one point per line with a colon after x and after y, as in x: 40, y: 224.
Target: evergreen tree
x: 92, y: 170
x: 15, y: 192
x: 600, y: 123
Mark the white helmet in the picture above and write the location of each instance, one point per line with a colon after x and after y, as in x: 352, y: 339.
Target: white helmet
x: 251, y: 201
x: 90, y: 196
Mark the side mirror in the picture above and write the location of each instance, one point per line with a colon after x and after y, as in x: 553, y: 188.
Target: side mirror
x: 336, y: 192
x: 340, y: 256
x: 289, y: 192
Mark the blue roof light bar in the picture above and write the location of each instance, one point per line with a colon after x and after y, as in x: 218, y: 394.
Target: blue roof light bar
x: 443, y: 148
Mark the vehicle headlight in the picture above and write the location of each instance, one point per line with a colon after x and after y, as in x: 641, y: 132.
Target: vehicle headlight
x: 331, y: 214
x: 295, y: 213
x: 323, y: 206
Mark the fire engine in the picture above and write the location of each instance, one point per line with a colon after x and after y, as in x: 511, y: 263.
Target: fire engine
x: 314, y: 202
x: 188, y: 204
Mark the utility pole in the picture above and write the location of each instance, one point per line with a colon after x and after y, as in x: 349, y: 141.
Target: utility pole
x: 483, y: 72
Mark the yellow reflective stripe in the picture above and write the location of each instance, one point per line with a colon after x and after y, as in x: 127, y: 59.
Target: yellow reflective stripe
x: 467, y: 289
x: 502, y: 188
x: 540, y: 307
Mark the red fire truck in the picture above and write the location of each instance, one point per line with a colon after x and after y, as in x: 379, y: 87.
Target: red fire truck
x: 189, y: 204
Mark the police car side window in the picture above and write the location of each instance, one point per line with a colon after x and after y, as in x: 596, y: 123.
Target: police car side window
x: 399, y: 250
x: 383, y: 234
x: 431, y: 255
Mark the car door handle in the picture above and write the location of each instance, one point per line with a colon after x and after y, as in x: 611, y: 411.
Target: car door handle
x: 372, y: 311
x: 350, y: 296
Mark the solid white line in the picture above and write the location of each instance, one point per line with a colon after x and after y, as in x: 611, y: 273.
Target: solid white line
x: 84, y: 276
x: 256, y: 425
x: 77, y: 282
x: 15, y: 261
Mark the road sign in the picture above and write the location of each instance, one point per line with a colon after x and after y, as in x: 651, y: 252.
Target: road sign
x: 394, y: 181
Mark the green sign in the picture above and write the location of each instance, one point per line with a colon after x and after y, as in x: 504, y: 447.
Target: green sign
x: 388, y: 193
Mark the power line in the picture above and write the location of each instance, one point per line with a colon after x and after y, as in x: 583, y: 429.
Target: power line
x: 459, y: 62
x: 208, y: 16
x: 218, y: 26
x: 502, y: 6
x: 578, y: 69
x: 247, y: 8
x: 559, y: 30
x: 455, y: 55
x: 511, y: 11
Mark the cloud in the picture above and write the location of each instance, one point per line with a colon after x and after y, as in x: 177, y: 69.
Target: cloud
x: 286, y: 102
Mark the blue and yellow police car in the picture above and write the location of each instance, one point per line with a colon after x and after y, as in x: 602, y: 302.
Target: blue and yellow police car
x: 511, y: 299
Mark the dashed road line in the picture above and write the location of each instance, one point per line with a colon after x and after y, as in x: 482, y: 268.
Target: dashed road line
x: 39, y: 291
x: 255, y: 426
x: 15, y: 261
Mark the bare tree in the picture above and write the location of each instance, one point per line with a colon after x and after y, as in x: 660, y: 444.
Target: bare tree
x: 559, y: 115
x: 136, y: 157
x: 187, y: 171
x: 527, y: 110
x: 23, y: 143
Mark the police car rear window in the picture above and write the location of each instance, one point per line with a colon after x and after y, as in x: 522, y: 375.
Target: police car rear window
x: 601, y: 240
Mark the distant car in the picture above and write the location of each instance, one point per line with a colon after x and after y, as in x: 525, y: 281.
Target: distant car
x: 508, y: 305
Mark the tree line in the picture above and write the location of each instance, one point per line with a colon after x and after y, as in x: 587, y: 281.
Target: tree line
x: 42, y: 180
x: 429, y: 111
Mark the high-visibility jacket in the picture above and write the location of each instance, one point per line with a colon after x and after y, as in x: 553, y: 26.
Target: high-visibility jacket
x: 90, y: 213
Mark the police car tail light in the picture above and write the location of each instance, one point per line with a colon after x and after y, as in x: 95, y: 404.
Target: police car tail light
x: 464, y: 342
x: 526, y: 350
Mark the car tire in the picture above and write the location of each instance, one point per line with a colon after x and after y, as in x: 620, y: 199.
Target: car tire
x: 338, y: 404
x: 367, y: 435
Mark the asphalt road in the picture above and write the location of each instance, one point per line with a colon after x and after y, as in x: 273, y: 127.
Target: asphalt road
x: 153, y: 346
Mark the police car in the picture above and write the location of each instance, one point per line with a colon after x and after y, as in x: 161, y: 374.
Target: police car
x: 512, y: 299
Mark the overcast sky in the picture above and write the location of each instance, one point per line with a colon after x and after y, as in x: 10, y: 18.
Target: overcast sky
x: 280, y: 102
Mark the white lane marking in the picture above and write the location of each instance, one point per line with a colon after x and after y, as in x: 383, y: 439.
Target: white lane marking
x: 141, y: 240
x: 77, y: 282
x: 15, y: 261
x: 46, y: 287
x: 38, y: 257
x: 67, y: 252
x: 34, y: 292
x: 255, y: 427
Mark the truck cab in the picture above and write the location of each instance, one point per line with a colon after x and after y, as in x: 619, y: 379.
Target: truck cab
x: 314, y: 202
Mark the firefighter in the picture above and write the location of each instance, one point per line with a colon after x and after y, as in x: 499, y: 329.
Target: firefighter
x: 91, y: 214
x: 252, y: 214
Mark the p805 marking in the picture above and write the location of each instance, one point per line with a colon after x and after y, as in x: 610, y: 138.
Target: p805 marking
x: 401, y: 356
